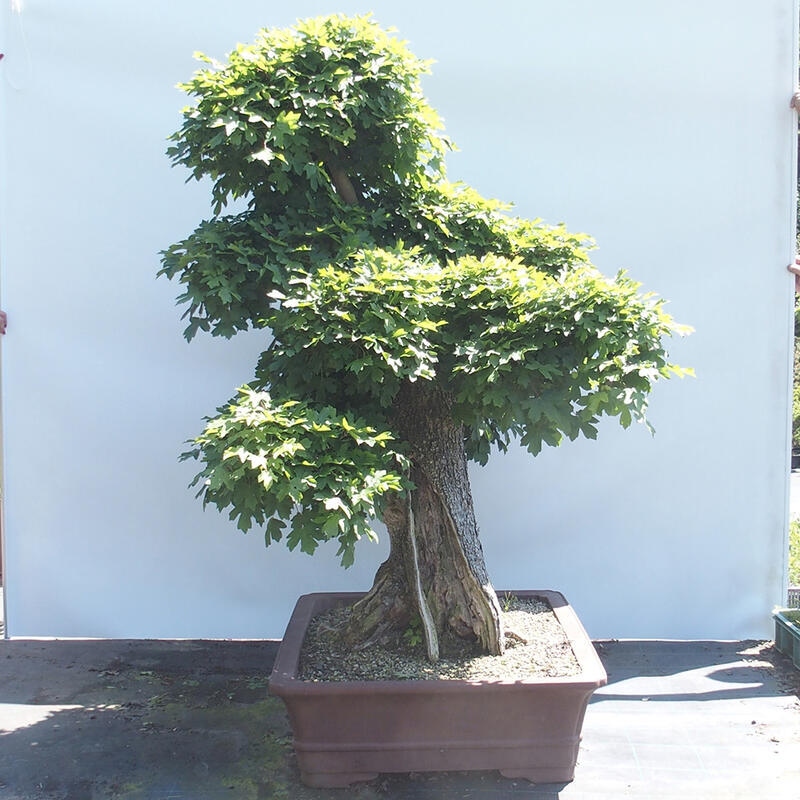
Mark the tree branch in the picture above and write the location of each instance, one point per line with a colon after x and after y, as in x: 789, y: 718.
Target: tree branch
x: 342, y: 183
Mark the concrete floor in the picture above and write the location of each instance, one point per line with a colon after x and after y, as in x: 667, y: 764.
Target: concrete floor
x: 193, y: 720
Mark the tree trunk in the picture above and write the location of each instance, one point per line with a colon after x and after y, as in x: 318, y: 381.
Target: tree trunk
x: 435, y: 569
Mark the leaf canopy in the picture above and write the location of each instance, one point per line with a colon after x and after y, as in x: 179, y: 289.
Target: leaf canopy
x: 369, y: 269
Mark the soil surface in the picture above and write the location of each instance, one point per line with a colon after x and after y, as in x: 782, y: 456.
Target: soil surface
x: 536, y: 647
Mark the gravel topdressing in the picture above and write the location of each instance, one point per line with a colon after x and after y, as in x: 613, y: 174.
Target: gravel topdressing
x: 537, y: 648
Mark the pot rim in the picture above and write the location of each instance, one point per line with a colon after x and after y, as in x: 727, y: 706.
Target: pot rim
x: 284, y: 680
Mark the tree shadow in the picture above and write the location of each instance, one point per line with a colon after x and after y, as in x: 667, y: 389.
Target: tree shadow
x: 120, y: 719
x: 160, y: 720
x: 670, y: 671
x: 168, y: 720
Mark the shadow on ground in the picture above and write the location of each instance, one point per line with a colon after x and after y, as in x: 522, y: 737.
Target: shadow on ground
x: 133, y: 720
x: 161, y: 720
x: 744, y: 669
x: 141, y: 720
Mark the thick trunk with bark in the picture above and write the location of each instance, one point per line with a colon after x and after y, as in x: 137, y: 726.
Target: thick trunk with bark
x: 435, y: 571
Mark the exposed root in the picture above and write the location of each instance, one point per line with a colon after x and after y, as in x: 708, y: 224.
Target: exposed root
x: 515, y: 637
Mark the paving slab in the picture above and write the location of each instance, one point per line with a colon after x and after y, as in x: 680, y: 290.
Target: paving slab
x: 193, y: 720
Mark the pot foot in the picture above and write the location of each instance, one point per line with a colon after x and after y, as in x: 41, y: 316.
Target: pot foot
x: 335, y: 780
x: 541, y: 775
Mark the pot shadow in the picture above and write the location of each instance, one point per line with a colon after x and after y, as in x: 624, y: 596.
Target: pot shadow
x: 670, y: 671
x: 127, y: 754
x: 151, y: 720
x: 158, y: 720
x: 140, y: 720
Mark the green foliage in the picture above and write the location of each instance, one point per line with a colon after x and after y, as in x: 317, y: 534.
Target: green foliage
x: 369, y: 270
x: 508, y: 599
x: 273, y: 461
x: 794, y: 552
x: 542, y: 357
x: 331, y: 87
x: 413, y: 635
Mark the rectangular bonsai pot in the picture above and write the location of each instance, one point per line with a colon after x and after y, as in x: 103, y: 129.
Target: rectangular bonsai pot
x: 787, y: 633
x: 350, y: 731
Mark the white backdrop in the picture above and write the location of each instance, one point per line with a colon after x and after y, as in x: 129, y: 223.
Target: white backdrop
x: 663, y: 129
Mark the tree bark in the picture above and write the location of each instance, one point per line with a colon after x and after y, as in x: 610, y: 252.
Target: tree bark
x: 341, y: 181
x: 435, y: 570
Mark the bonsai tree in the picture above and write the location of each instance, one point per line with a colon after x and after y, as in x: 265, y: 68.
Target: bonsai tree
x: 410, y: 325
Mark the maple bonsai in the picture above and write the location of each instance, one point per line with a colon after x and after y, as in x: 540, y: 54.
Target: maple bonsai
x: 410, y: 325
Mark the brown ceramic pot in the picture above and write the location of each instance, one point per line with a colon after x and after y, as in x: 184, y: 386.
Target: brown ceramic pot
x: 351, y: 731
